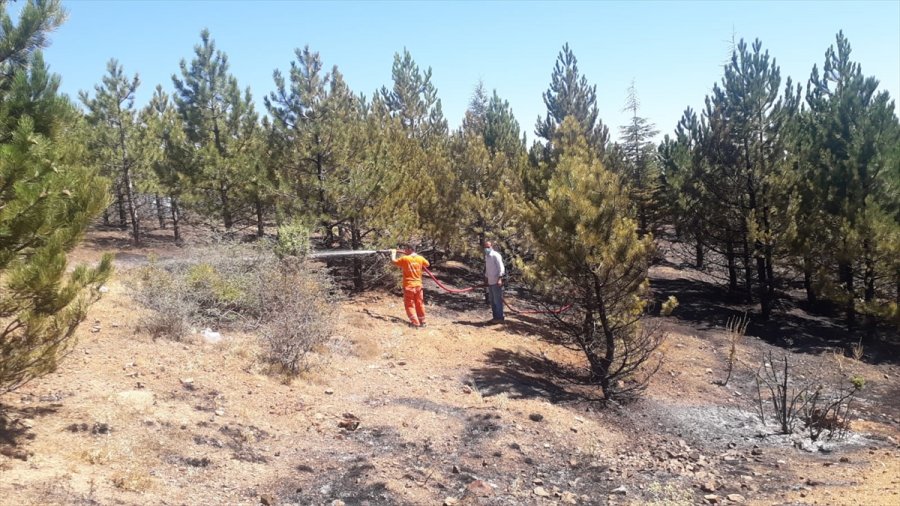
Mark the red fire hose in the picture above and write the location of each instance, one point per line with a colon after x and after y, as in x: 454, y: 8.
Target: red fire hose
x: 562, y: 309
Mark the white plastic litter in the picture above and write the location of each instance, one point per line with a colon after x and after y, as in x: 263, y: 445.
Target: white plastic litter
x: 211, y: 336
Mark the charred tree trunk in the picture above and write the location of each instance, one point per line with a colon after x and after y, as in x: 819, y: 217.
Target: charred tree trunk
x: 160, y: 213
x: 176, y: 220
x: 698, y: 254
x: 845, y: 275
x: 808, y: 280
x: 260, y: 224
x: 356, y: 243
x: 732, y: 266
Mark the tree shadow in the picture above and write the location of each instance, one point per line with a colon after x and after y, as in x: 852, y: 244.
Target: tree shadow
x: 12, y: 430
x: 385, y: 318
x: 707, y: 306
x: 525, y: 375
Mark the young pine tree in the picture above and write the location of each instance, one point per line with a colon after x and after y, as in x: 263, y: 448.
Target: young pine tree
x: 220, y: 122
x: 117, y: 140
x: 587, y: 251
x: 48, y: 196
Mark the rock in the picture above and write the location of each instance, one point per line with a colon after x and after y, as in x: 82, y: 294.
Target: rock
x: 266, y: 500
x: 711, y: 498
x: 709, y: 371
x: 328, y: 391
x: 220, y: 412
x: 187, y: 383
x: 136, y: 399
x: 535, y: 417
x: 27, y: 423
x: 845, y: 459
x: 455, y: 469
x: 738, y: 498
x: 814, y: 483
x: 541, y: 492
x: 100, y: 428
x: 709, y: 486
x: 619, y: 490
x: 466, y: 389
x: 104, y: 289
x: 451, y: 501
x: 480, y: 488
x: 350, y: 422
x: 338, y: 502
x: 568, y: 498
x: 537, y: 481
x: 756, y: 451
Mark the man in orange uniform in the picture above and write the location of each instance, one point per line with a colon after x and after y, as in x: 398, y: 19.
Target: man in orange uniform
x: 412, y: 266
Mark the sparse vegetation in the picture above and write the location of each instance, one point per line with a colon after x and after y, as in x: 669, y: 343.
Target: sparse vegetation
x: 288, y: 303
x: 821, y: 403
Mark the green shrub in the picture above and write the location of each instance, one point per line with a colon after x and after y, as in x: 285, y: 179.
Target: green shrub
x: 293, y: 240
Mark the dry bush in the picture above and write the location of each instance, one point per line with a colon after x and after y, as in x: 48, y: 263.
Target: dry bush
x: 289, y: 303
x: 298, y: 317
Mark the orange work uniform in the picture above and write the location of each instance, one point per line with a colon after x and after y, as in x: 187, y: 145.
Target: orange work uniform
x: 413, y: 295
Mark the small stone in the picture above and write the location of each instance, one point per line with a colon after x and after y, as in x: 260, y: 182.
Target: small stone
x: 845, y: 459
x: 266, y: 500
x: 466, y: 389
x: 455, y: 469
x: 27, y: 423
x: 350, y: 422
x: 338, y: 502
x: 328, y: 391
x: 541, y: 492
x: 535, y: 417
x: 619, y: 490
x: 756, y: 451
x: 709, y: 371
x: 537, y: 481
x: 451, y: 501
x: 738, y: 498
x: 480, y: 488
x: 220, y: 412
x: 709, y: 486
x: 711, y: 498
x: 568, y: 498
x: 814, y: 483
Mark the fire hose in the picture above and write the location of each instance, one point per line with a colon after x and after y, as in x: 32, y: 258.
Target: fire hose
x: 340, y: 253
x: 512, y: 309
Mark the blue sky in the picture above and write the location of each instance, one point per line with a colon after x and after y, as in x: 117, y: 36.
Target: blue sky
x: 672, y: 50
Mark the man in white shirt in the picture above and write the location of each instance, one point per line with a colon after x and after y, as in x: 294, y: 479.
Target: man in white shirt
x: 493, y: 272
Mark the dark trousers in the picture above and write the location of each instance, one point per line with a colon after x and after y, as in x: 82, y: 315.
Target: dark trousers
x: 495, y: 296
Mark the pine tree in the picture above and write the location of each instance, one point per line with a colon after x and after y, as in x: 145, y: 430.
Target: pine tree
x: 641, y: 171
x: 853, y: 164
x: 220, y: 122
x: 171, y: 159
x: 571, y: 95
x: 117, y: 141
x: 486, y: 157
x: 47, y: 200
x: 413, y: 100
x: 587, y: 248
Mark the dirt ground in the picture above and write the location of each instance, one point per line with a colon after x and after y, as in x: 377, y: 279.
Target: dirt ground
x: 457, y: 413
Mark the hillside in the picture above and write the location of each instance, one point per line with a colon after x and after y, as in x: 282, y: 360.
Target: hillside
x: 458, y: 413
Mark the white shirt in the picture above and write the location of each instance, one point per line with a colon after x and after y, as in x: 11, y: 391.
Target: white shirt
x: 493, y: 267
